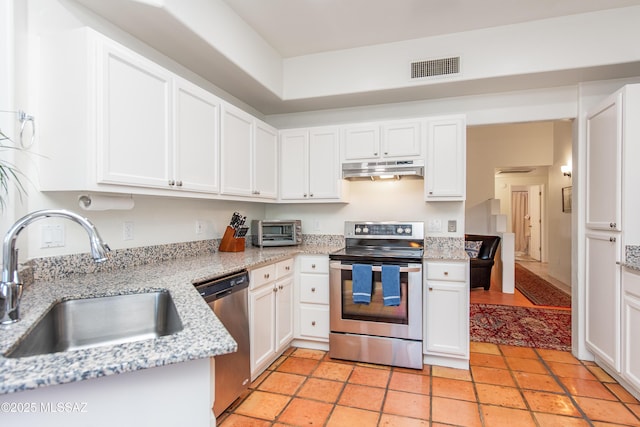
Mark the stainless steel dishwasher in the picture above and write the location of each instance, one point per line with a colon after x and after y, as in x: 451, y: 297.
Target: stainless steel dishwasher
x: 227, y: 297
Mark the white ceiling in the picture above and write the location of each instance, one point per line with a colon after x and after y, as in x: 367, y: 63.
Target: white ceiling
x: 300, y: 27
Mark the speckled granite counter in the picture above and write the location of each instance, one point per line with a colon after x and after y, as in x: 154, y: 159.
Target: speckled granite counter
x: 445, y: 249
x: 632, y: 257
x: 203, y: 334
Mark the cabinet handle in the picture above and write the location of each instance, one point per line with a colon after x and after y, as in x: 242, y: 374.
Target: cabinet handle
x: 612, y: 239
x: 313, y: 266
x: 446, y: 273
x: 257, y: 192
x: 313, y: 289
x: 385, y: 153
x: 280, y: 287
x: 179, y: 183
x: 430, y: 192
x: 430, y: 289
x: 375, y: 154
x: 275, y: 289
x: 171, y: 183
x: 287, y: 268
x: 266, y: 276
x: 612, y: 225
x: 311, y: 195
x: 313, y: 323
x: 304, y: 195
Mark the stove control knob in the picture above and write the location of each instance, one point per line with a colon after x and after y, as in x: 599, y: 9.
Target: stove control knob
x: 400, y: 230
x: 407, y: 230
x: 358, y: 230
x: 365, y: 230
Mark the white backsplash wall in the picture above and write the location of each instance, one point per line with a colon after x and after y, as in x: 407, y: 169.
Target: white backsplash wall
x: 401, y: 200
x: 156, y: 220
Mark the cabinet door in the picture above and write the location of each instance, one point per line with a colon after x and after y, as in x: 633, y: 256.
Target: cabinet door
x: 324, y: 164
x: 134, y: 132
x: 603, y: 298
x: 294, y: 183
x: 604, y: 174
x: 361, y: 142
x: 265, y: 156
x: 236, y: 151
x: 314, y: 322
x: 401, y: 139
x: 631, y: 328
x: 284, y: 313
x: 197, y: 143
x: 446, y: 159
x: 446, y: 317
x: 262, y: 323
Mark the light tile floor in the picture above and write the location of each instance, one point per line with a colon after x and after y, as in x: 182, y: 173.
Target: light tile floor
x: 505, y: 386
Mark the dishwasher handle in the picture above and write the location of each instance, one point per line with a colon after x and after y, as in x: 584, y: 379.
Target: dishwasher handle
x: 220, y: 287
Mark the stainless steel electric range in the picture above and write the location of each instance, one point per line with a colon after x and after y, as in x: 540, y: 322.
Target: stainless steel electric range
x: 385, y: 258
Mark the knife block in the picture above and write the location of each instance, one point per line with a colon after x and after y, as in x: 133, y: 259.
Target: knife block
x: 230, y: 243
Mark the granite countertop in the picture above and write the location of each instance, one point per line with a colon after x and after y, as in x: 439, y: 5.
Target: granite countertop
x: 448, y: 254
x: 203, y: 334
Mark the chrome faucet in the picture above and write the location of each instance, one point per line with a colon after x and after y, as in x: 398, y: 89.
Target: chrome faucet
x: 11, y: 286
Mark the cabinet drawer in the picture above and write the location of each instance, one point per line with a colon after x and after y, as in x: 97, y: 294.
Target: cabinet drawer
x: 314, y: 264
x: 261, y: 276
x: 314, y: 288
x: 314, y: 322
x: 284, y: 268
x: 447, y: 271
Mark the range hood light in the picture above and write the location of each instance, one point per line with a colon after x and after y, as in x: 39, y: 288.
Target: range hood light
x: 388, y: 176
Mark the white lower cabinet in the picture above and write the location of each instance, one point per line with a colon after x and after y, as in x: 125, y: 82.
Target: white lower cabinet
x: 446, y: 314
x: 631, y: 328
x: 312, y: 301
x: 270, y: 313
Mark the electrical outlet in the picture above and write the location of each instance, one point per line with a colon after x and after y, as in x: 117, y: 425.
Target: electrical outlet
x: 127, y: 230
x: 452, y: 226
x: 200, y: 226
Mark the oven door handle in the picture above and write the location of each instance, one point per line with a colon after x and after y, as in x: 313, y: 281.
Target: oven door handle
x: 349, y: 267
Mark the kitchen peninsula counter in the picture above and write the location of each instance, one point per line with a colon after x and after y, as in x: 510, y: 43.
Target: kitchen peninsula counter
x: 203, y: 335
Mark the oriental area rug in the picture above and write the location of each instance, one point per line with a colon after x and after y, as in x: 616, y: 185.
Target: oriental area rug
x: 539, y: 291
x: 520, y: 326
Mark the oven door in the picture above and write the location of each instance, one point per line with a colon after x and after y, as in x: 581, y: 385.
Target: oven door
x: 403, y: 321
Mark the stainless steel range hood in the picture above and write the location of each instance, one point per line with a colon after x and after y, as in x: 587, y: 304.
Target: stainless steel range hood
x: 381, y: 170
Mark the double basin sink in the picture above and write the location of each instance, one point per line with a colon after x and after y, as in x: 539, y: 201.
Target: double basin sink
x: 93, y: 322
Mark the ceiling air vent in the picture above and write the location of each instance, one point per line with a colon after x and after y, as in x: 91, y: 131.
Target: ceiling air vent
x: 435, y: 67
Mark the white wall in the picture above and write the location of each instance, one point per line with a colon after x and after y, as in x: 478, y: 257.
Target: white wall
x: 373, y: 201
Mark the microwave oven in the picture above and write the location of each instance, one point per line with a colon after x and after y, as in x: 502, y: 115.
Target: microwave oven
x: 276, y: 232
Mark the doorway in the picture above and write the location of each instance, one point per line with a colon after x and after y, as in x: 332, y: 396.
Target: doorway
x: 526, y: 221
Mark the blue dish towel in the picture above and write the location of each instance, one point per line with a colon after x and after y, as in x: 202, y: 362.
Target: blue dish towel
x: 391, y: 284
x: 361, y: 277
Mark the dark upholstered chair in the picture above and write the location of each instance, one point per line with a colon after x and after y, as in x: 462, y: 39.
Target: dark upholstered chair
x: 480, y: 267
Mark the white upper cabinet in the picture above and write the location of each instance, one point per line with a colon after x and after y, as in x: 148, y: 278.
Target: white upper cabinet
x: 249, y: 156
x: 127, y: 124
x: 393, y: 140
x: 604, y: 165
x: 265, y: 177
x: 445, y: 175
x: 134, y: 119
x: 310, y: 164
x: 197, y: 130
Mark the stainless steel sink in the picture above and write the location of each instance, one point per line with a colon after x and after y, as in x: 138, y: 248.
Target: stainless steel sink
x: 93, y: 322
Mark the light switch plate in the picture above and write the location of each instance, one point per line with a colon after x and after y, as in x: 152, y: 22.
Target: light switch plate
x: 52, y: 236
x: 434, y: 225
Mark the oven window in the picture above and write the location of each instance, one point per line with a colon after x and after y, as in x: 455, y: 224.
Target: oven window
x: 375, y: 311
x: 279, y: 230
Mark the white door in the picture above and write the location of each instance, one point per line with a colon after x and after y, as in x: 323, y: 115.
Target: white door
x: 134, y: 132
x: 293, y: 165
x: 604, y: 157
x: 445, y: 177
x: 197, y: 118
x: 265, y: 183
x: 324, y: 164
x: 262, y: 325
x: 284, y: 312
x: 535, y: 221
x: 236, y: 151
x: 361, y: 142
x: 603, y: 297
x: 401, y: 139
